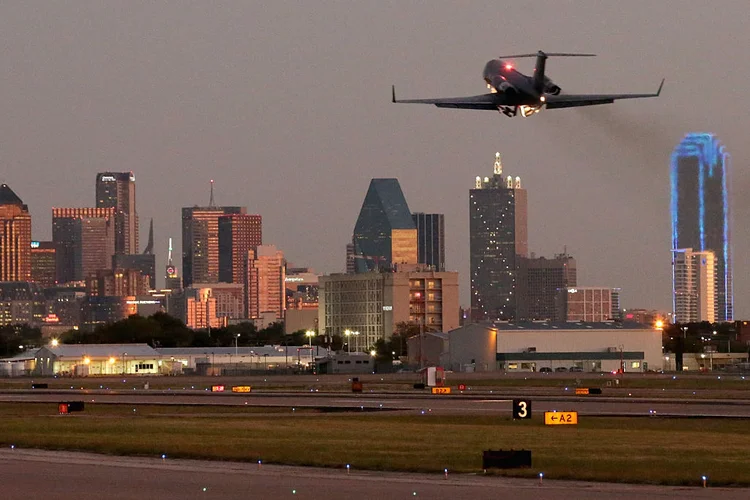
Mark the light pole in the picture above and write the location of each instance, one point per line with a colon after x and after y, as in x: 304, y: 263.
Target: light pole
x: 124, y: 363
x: 236, y: 341
x: 310, y: 334
x: 356, y: 337
x: 347, y: 334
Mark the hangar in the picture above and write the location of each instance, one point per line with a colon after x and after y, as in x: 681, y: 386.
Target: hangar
x: 96, y: 359
x: 532, y: 346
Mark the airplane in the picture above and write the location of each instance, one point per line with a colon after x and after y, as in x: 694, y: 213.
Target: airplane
x: 511, y: 91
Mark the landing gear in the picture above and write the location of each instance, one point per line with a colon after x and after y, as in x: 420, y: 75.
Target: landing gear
x: 509, y: 111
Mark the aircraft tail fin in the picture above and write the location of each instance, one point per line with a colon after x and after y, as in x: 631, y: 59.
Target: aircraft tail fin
x: 541, y: 60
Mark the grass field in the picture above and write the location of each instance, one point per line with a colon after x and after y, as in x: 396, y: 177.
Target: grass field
x: 639, y: 450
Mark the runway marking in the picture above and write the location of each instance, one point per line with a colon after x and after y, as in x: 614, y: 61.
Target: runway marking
x: 493, y: 401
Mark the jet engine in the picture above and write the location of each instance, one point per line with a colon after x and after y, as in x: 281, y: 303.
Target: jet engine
x: 507, y: 88
x: 550, y: 87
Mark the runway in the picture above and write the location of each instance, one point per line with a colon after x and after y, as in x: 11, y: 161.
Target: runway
x: 46, y: 474
x: 438, y: 404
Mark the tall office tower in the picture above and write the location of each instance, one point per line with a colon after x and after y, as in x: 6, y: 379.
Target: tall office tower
x: 238, y: 233
x: 384, y: 235
x: 265, y: 285
x: 430, y: 239
x: 695, y: 285
x: 373, y: 304
x: 15, y: 237
x: 84, y: 241
x: 200, y: 242
x: 43, y: 263
x: 539, y: 280
x: 117, y: 190
x: 498, y: 235
x: 172, y: 280
x: 701, y: 210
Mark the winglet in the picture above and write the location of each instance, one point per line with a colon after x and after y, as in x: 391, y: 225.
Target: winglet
x: 393, y: 92
x: 660, y: 86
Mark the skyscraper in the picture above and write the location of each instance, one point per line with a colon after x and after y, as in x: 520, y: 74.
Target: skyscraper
x: 701, y: 216
x: 498, y: 235
x: 15, y: 237
x: 172, y: 280
x: 694, y: 286
x: 117, y: 190
x: 430, y: 239
x: 537, y: 285
x: 238, y: 233
x: 43, y: 263
x: 84, y: 241
x: 200, y: 242
x: 266, y: 289
x: 385, y: 234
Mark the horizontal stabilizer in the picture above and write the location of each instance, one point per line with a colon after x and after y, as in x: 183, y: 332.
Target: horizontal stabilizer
x: 548, y: 54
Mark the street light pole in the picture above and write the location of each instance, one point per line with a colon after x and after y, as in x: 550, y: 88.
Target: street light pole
x: 236, y: 341
x: 347, y: 334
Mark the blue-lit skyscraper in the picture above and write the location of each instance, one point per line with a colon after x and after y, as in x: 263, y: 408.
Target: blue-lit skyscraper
x: 700, y: 209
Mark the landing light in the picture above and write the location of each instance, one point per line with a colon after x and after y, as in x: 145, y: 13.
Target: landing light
x: 509, y: 66
x: 543, y: 99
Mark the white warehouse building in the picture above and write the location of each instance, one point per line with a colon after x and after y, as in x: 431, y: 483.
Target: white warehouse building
x: 588, y: 347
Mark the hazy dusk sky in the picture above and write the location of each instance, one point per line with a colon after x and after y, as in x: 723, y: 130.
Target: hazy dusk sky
x: 287, y: 106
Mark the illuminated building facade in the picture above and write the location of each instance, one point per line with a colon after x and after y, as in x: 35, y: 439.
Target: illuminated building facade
x: 200, y: 309
x: 84, y: 241
x: 229, y: 299
x: 43, y: 263
x: 15, y: 237
x: 695, y: 286
x: 172, y: 279
x: 265, y: 285
x: 372, y: 304
x: 584, y: 303
x: 238, y: 233
x: 21, y: 302
x: 117, y: 283
x: 498, y: 236
x: 700, y: 208
x: 117, y: 190
x: 200, y: 242
x: 385, y: 235
x: 430, y: 239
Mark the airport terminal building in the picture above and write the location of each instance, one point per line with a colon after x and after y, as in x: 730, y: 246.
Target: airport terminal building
x: 533, y: 346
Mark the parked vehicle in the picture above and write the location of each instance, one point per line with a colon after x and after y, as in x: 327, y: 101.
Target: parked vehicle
x: 545, y: 369
x: 576, y: 369
x: 560, y: 369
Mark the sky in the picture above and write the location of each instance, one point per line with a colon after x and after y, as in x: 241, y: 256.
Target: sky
x: 286, y: 105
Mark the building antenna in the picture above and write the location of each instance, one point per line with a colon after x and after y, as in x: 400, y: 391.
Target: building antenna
x: 169, y: 255
x: 149, y: 250
x: 211, y: 202
x: 498, y: 167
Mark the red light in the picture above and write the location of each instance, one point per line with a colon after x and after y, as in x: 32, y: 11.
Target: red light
x: 509, y: 66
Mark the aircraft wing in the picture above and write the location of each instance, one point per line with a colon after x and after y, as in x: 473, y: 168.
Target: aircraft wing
x: 573, y: 100
x: 483, y: 101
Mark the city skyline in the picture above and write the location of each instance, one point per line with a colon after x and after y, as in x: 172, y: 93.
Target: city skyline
x: 189, y: 101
